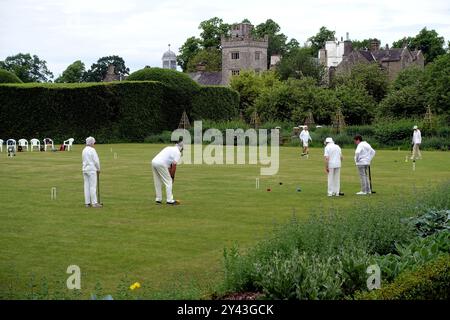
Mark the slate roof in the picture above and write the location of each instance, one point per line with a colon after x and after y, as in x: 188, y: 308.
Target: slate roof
x: 207, y: 78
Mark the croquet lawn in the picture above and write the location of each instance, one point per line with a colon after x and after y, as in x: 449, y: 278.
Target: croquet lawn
x: 173, y: 252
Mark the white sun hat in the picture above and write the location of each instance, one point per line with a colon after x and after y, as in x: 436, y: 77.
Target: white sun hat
x: 329, y: 140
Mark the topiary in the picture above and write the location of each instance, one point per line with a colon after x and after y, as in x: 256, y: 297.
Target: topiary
x: 8, y: 77
x: 182, y: 88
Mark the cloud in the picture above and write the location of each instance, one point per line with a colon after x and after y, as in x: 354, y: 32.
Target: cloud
x: 62, y: 31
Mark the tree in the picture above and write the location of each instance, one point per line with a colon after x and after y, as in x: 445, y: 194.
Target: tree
x: 277, y: 40
x: 210, y: 58
x: 292, y: 44
x: 299, y: 63
x: 99, y: 70
x: 212, y: 32
x: 437, y: 79
x: 358, y: 107
x: 73, y: 74
x: 8, y: 77
x: 28, y: 68
x: 361, y: 45
x: 188, y: 50
x: 429, y: 41
x: 318, y: 41
x: 370, y: 75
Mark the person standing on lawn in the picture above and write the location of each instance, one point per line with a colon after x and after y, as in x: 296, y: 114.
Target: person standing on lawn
x: 305, y: 138
x: 333, y: 163
x: 91, y: 165
x: 164, y: 167
x: 363, y: 157
x: 416, y: 142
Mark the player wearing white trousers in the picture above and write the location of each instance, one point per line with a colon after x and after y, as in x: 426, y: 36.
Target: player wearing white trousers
x: 333, y: 163
x: 162, y: 176
x: 90, y: 168
x: 164, y: 161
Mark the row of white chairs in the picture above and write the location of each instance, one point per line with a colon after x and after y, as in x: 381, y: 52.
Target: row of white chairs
x: 35, y: 143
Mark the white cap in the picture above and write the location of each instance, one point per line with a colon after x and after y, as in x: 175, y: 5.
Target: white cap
x: 90, y: 141
x: 329, y: 140
x: 416, y: 127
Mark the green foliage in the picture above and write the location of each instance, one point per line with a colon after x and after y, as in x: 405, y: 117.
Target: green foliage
x: 428, y: 41
x: 8, y: 77
x: 370, y: 76
x: 187, y: 51
x: 361, y: 44
x: 182, y: 87
x: 215, y: 103
x: 411, y: 256
x: 98, y: 70
x: 277, y: 40
x: 27, y: 68
x: 125, y: 111
x: 389, y: 132
x: 298, y: 64
x: 250, y: 85
x: 212, y: 31
x: 210, y: 58
x: 358, y: 107
x: 73, y: 74
x: 318, y: 40
x: 437, y: 78
x: 431, y: 222
x: 430, y: 282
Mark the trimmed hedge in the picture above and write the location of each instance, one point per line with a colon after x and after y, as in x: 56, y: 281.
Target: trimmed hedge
x: 215, y: 103
x: 8, y: 77
x: 119, y: 111
x: 182, y: 87
x: 431, y: 282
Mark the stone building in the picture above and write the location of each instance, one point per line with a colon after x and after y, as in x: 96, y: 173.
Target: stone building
x: 169, y: 60
x: 111, y: 75
x: 243, y: 51
x: 393, y: 60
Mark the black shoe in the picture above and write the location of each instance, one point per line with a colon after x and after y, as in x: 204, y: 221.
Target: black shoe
x: 341, y: 194
x: 158, y: 202
x: 175, y: 203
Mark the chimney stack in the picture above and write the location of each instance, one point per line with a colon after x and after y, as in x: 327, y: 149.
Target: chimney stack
x: 375, y: 45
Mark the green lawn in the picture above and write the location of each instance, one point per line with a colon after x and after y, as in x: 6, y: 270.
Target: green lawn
x: 170, y: 250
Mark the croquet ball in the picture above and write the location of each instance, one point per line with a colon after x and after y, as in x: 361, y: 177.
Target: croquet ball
x: 281, y: 183
x: 269, y: 190
x: 299, y: 190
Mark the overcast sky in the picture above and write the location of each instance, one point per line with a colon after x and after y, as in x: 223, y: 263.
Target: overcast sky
x: 62, y: 31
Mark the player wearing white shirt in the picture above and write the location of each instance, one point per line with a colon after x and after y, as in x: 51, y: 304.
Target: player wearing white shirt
x: 164, y: 166
x: 333, y: 163
x: 416, y: 141
x: 364, y: 154
x: 305, y: 137
x: 91, y: 165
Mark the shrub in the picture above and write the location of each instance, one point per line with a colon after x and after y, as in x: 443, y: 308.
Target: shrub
x: 390, y: 132
x: 120, y: 111
x: 182, y: 87
x: 8, y: 77
x: 215, y: 103
x: 430, y: 282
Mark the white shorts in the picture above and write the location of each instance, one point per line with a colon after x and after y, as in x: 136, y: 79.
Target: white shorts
x: 305, y: 144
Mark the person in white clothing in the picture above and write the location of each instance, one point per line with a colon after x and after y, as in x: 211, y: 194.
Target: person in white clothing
x: 333, y: 163
x: 305, y: 138
x: 364, y: 154
x: 416, y: 142
x: 164, y: 166
x: 91, y: 165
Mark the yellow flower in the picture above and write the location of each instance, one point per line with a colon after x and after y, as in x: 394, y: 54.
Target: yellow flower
x: 135, y: 286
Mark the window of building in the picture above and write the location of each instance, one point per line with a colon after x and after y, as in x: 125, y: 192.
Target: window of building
x: 235, y: 72
x: 236, y: 27
x: 235, y: 55
x: 257, y: 56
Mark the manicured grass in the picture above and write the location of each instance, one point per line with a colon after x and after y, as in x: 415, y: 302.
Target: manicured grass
x: 176, y: 252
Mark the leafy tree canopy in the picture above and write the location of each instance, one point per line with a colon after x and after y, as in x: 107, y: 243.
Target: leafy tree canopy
x: 99, y: 69
x: 73, y: 74
x: 318, y: 41
x: 28, y: 68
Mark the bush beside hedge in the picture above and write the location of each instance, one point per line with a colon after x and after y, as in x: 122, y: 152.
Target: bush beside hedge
x: 120, y: 111
x: 431, y: 282
x: 8, y: 77
x: 215, y: 103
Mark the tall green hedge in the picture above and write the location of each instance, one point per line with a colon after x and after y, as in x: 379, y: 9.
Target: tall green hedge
x: 8, y: 77
x: 215, y: 103
x: 120, y: 111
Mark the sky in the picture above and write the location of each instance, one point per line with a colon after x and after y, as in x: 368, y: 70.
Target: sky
x: 63, y: 31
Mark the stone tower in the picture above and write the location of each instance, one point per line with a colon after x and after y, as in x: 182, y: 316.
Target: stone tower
x: 242, y: 51
x: 169, y: 60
